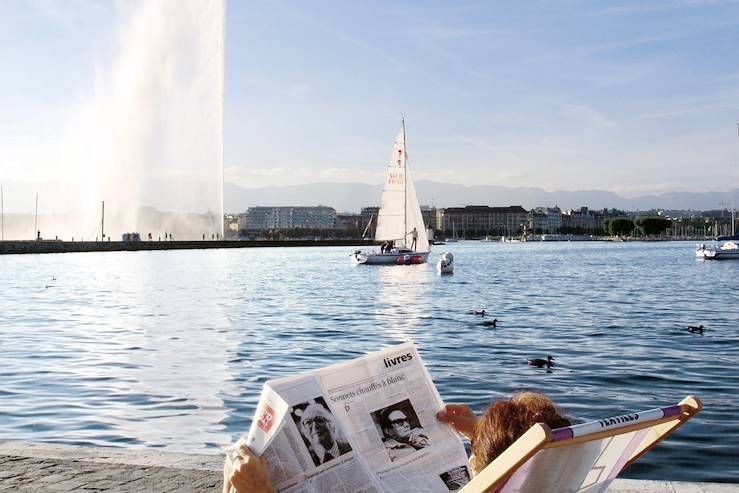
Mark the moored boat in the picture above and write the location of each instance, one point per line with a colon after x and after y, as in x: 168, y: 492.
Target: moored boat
x: 727, y: 251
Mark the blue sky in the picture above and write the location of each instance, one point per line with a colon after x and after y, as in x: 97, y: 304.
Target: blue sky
x: 631, y: 97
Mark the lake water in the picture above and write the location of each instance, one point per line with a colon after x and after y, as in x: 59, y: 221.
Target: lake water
x: 170, y: 349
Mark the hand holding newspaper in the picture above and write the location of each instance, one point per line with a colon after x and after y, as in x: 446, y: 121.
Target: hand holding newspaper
x: 368, y: 425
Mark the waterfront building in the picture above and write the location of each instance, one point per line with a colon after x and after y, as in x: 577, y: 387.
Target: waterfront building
x: 429, y: 216
x: 582, y: 219
x: 348, y: 221
x: 476, y: 221
x: 290, y: 217
x: 545, y: 220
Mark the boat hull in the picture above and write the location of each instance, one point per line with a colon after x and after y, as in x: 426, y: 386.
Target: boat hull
x: 392, y: 258
x: 717, y: 255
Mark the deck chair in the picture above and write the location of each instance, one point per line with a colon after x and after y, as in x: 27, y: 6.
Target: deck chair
x: 582, y: 458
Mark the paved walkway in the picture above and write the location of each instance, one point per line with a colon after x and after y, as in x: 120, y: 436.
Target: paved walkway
x: 28, y: 467
x: 34, y: 467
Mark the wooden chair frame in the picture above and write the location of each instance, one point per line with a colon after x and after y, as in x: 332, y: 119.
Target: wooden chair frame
x: 540, y: 437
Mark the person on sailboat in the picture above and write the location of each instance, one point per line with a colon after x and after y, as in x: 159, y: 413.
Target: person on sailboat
x: 414, y: 235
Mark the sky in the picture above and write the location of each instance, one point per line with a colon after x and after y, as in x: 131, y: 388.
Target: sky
x: 630, y: 97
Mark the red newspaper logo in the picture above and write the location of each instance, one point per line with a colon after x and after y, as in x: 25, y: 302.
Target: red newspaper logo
x: 266, y: 419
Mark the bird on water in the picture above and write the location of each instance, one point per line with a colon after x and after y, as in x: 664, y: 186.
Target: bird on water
x: 478, y: 312
x: 541, y: 363
x: 490, y: 323
x: 696, y: 330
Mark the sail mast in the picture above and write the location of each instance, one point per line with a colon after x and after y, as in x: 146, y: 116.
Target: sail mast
x: 405, y: 186
x: 733, y: 210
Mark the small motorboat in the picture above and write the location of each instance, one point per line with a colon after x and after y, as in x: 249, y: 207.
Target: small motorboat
x: 729, y: 250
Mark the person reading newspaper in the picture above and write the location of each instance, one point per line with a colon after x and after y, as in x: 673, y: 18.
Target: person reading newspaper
x: 501, y: 425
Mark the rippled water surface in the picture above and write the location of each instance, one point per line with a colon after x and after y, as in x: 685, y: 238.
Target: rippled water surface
x: 170, y: 349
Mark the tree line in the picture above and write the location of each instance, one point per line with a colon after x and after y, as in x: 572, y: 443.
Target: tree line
x: 648, y: 226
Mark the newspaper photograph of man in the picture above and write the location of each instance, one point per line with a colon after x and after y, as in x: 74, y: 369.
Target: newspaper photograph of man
x: 319, y: 430
x: 400, y: 429
x: 456, y: 478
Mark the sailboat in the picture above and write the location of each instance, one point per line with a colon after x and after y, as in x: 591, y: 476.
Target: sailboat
x: 730, y: 249
x: 399, y: 221
x: 454, y: 237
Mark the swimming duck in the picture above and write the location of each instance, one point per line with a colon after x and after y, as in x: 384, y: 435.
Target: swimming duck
x: 541, y: 363
x: 696, y: 330
x: 490, y: 323
x: 478, y: 312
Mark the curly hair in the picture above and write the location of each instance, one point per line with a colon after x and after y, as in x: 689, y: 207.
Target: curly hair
x: 504, y: 422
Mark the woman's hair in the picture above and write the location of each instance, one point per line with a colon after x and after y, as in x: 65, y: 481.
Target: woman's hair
x: 504, y: 422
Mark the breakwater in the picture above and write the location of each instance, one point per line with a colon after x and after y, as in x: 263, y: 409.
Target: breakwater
x: 38, y: 467
x: 56, y: 246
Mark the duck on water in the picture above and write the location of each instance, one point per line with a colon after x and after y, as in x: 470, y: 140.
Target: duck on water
x: 541, y: 363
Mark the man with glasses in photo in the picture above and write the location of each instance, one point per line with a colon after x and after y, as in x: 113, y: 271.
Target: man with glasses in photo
x: 318, y: 427
x: 400, y: 439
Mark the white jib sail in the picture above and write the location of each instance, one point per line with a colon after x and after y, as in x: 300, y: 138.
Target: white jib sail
x: 399, y: 210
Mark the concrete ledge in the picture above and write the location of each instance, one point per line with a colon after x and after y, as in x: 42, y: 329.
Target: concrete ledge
x: 58, y: 246
x: 26, y: 466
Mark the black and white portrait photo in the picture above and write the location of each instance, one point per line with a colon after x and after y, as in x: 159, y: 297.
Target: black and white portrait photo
x: 319, y: 431
x: 400, y: 429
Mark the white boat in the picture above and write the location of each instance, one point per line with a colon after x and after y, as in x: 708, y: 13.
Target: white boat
x: 399, y: 220
x: 727, y: 251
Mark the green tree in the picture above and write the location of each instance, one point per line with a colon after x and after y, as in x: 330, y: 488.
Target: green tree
x: 653, y: 226
x: 620, y: 226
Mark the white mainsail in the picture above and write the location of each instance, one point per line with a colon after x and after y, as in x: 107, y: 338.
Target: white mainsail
x: 399, y: 210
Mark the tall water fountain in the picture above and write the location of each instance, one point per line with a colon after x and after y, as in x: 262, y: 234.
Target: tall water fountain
x: 148, y: 141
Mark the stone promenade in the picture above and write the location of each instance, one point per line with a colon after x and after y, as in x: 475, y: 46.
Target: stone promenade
x: 28, y: 467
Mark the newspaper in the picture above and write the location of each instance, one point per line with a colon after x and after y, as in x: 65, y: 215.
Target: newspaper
x: 365, y: 426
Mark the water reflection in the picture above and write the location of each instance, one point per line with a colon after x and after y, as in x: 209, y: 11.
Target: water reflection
x: 402, y: 295
x: 170, y: 349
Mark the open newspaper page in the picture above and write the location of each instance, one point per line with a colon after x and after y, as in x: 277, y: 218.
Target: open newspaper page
x: 304, y: 444
x: 388, y: 404
x: 368, y: 425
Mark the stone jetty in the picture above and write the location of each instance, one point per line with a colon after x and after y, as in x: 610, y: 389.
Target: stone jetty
x: 32, y: 467
x: 57, y: 246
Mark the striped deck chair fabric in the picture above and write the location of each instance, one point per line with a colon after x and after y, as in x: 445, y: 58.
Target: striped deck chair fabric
x: 582, y: 458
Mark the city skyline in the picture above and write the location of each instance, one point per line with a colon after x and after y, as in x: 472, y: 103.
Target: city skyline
x: 623, y: 97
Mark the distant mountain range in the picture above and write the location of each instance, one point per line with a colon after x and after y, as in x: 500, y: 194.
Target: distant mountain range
x: 351, y: 197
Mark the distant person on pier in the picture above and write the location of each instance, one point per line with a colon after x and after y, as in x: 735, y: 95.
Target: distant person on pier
x: 501, y: 425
